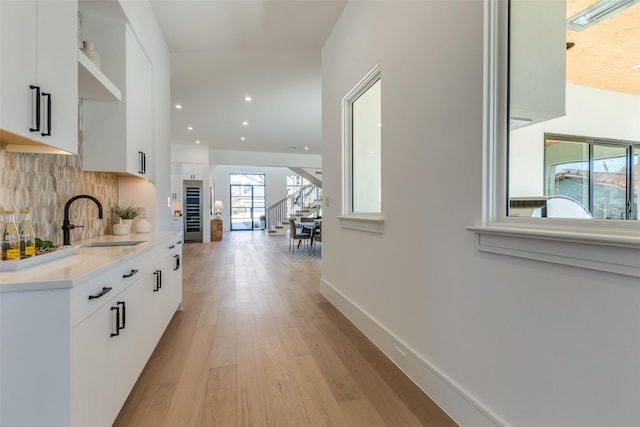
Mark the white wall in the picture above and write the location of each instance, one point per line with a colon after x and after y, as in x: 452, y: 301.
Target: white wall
x: 156, y: 194
x: 591, y: 113
x: 493, y: 339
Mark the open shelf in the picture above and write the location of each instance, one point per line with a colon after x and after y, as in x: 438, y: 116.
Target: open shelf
x: 92, y: 83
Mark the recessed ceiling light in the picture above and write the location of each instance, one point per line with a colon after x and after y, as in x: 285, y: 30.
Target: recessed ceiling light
x: 178, y: 106
x: 245, y: 123
x: 247, y: 98
x: 242, y: 138
x: 189, y: 128
x: 197, y: 142
x: 306, y: 148
x: 597, y: 12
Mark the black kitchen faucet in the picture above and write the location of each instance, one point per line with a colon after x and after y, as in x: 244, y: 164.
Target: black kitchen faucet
x: 66, y: 225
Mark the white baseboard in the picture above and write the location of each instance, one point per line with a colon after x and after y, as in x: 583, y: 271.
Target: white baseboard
x: 455, y: 401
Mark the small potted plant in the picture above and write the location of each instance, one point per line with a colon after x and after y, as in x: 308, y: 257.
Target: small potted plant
x: 125, y: 218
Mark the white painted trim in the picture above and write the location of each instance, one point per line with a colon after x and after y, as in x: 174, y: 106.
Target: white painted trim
x: 451, y: 397
x: 373, y: 224
x: 347, y: 142
x: 611, y: 246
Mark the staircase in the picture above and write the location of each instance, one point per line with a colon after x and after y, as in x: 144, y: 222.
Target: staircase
x: 306, y: 202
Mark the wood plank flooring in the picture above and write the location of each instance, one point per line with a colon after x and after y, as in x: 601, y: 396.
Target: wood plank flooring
x: 257, y: 345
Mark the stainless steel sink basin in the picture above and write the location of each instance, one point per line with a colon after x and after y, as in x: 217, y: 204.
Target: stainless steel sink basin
x: 112, y: 243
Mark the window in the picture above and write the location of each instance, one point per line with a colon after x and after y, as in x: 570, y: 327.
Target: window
x: 598, y: 174
x: 529, y: 102
x: 247, y: 201
x: 362, y: 141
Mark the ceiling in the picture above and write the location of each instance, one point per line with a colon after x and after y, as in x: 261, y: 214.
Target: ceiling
x: 604, y: 55
x: 225, y: 50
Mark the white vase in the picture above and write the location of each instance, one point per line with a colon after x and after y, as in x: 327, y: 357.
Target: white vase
x: 123, y: 227
x: 142, y: 226
x: 87, y: 49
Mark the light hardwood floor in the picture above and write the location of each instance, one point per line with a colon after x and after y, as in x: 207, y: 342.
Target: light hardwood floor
x: 257, y: 345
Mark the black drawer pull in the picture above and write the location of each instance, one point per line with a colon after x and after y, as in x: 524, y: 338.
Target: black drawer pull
x: 133, y: 272
x: 104, y: 291
x: 172, y: 246
x: 177, y: 260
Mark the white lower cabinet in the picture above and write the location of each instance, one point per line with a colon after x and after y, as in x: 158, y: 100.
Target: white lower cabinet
x: 112, y: 345
x: 71, y: 356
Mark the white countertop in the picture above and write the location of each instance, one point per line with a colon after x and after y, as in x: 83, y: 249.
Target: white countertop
x: 82, y: 265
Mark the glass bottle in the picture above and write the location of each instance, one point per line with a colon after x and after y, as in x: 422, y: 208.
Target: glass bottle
x: 2, y: 249
x: 27, y: 235
x: 11, y: 243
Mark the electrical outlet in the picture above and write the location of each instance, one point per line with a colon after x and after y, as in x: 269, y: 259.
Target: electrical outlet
x: 401, y: 357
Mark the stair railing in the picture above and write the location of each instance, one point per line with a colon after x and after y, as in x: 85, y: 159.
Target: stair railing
x: 283, y: 209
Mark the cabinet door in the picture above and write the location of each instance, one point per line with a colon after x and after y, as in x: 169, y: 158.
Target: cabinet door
x: 58, y: 71
x: 39, y: 56
x: 176, y: 181
x: 192, y: 171
x: 18, y: 65
x: 127, y: 356
x: 139, y: 102
x: 93, y: 370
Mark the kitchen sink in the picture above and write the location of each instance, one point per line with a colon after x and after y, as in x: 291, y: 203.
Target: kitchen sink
x: 112, y: 243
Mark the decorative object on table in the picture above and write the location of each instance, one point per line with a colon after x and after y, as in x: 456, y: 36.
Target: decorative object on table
x: 126, y: 216
x: 217, y: 205
x: 87, y: 49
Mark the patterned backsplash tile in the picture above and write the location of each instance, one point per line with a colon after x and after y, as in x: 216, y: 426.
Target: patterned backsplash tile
x: 44, y: 182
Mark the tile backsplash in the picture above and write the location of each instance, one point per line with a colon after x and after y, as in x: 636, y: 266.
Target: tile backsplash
x: 44, y: 182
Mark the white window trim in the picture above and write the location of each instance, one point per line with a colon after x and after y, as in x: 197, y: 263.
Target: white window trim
x: 611, y: 246
x: 370, y: 222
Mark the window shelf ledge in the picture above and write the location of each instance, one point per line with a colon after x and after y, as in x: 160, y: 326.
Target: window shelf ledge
x: 372, y: 224
x: 590, y: 249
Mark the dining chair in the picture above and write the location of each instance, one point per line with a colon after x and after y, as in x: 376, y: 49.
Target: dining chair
x: 316, y: 236
x: 294, y: 235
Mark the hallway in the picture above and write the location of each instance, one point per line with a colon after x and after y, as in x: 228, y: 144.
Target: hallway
x: 257, y: 345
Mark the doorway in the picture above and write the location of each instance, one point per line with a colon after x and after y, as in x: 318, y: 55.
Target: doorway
x: 247, y: 201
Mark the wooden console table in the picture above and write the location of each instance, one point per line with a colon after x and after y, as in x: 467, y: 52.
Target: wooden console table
x: 216, y: 229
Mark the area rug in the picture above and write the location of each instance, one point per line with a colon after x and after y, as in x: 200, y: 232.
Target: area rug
x: 302, y: 254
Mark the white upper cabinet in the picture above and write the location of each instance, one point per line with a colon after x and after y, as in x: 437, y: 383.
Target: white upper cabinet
x: 537, y: 61
x: 118, y: 136
x: 38, y: 75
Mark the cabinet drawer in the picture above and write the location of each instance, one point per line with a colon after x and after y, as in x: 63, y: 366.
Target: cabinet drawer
x: 89, y: 297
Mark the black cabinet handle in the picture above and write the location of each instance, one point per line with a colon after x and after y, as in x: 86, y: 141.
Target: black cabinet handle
x: 104, y: 291
x: 117, y: 309
x: 172, y: 246
x: 142, y: 160
x: 36, y: 109
x: 177, y: 259
x: 124, y: 314
x: 120, y: 316
x: 158, y: 274
x: 133, y: 272
x: 48, y: 132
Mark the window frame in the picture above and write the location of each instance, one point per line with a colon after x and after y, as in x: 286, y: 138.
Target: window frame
x: 370, y: 221
x: 603, y: 245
